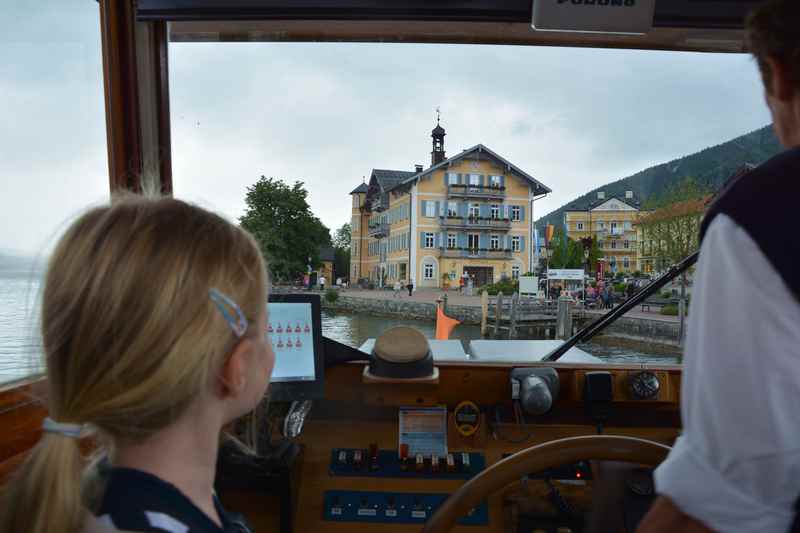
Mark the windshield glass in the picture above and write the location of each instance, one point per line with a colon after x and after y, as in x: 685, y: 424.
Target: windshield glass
x: 53, y: 153
x: 425, y: 171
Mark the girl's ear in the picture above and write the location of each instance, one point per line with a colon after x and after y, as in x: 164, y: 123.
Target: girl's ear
x: 233, y: 374
x: 780, y: 86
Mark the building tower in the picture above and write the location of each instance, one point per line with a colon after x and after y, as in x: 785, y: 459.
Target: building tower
x: 357, y: 231
x: 437, y: 155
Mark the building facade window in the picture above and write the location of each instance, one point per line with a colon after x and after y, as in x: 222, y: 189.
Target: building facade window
x: 429, y: 240
x: 516, y: 213
x: 494, y: 181
x: 613, y: 245
x: 430, y: 209
x: 613, y: 228
x: 626, y: 244
x: 626, y: 262
x: 452, y: 209
x: 474, y: 180
x: 579, y: 226
x: 515, y: 272
x: 495, y: 211
x: 494, y: 242
x: 428, y: 271
x: 474, y: 210
x: 451, y: 240
x: 474, y: 241
x: 452, y: 179
x: 515, y: 243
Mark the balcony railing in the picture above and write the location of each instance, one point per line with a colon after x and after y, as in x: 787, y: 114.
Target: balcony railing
x: 475, y: 223
x: 381, y: 229
x: 476, y: 191
x: 481, y: 253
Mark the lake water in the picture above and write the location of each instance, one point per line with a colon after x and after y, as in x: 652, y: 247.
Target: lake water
x: 20, y: 345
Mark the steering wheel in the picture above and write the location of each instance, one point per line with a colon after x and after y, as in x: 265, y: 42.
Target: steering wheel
x: 541, y: 457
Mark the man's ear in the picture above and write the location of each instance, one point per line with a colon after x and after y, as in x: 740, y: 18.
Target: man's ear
x: 780, y: 82
x: 233, y: 375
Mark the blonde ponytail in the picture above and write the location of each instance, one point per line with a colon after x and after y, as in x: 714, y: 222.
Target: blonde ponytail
x: 44, y: 494
x: 130, y: 337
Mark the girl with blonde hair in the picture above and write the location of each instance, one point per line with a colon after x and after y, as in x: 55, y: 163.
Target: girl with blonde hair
x: 152, y: 319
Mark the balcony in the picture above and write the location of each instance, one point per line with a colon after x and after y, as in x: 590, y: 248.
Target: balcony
x: 503, y: 224
x: 480, y: 253
x: 487, y: 192
x: 379, y: 230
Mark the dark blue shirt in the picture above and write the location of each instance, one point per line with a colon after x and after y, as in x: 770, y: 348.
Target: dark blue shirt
x: 138, y: 501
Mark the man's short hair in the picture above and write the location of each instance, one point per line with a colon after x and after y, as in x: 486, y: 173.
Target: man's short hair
x: 773, y: 30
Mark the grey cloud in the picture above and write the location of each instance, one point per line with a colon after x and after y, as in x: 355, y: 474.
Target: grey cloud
x: 328, y: 113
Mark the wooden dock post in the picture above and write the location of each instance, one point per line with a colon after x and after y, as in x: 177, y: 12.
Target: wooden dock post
x: 498, y: 313
x: 512, y: 329
x: 484, y: 312
x: 444, y: 303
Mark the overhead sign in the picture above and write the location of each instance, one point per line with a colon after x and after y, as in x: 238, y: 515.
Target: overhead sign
x: 529, y: 286
x: 565, y: 273
x: 594, y: 16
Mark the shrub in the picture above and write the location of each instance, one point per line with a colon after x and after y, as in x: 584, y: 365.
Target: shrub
x: 331, y: 295
x: 371, y: 286
x: 666, y: 295
x: 619, y: 288
x: 507, y: 287
x: 670, y: 310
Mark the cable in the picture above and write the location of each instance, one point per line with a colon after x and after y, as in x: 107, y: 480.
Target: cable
x: 496, y: 430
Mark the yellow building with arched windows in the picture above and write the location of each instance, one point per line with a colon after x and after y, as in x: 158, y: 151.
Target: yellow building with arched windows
x: 472, y: 213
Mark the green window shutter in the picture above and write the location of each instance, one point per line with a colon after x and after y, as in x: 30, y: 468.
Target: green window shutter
x: 522, y: 212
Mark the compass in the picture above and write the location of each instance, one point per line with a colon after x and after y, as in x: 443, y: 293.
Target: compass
x: 644, y: 385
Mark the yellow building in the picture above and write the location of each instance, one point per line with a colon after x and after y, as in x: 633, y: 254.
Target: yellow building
x: 472, y: 213
x: 611, y: 222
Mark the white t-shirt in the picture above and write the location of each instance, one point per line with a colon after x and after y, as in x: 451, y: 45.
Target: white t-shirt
x: 736, y: 467
x: 322, y: 280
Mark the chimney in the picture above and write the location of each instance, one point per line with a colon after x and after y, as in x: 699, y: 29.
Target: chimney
x: 601, y: 195
x: 418, y: 168
x: 629, y: 195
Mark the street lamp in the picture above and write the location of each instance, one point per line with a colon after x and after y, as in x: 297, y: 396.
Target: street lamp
x: 548, y: 253
x: 587, y: 250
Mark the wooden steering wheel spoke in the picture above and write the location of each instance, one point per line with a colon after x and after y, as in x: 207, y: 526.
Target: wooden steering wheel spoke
x: 538, y: 458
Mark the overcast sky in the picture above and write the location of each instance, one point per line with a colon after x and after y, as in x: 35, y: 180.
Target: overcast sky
x: 328, y: 114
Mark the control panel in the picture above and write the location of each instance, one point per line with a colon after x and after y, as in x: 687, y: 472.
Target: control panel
x: 372, y: 462
x: 392, y: 507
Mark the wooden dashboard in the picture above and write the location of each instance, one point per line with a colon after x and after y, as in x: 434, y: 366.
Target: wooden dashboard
x: 356, y: 414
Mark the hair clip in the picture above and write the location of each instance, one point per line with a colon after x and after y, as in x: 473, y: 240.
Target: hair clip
x: 238, y: 325
x: 73, y: 431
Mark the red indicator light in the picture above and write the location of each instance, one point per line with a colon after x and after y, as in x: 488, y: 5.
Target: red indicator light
x: 578, y: 475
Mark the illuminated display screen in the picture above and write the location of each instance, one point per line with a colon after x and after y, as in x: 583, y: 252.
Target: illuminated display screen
x: 290, y: 331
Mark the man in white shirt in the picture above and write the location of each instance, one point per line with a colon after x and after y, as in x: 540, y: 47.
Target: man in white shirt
x: 735, y: 467
x: 322, y: 283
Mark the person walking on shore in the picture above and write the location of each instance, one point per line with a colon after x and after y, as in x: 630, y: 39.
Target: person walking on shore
x: 410, y: 286
x: 322, y: 283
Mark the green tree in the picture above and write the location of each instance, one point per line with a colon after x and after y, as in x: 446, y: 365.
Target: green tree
x: 281, y: 220
x: 342, y: 237
x: 568, y: 253
x: 341, y: 245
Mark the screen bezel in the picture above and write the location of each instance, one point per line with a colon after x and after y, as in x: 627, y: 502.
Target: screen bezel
x: 287, y: 391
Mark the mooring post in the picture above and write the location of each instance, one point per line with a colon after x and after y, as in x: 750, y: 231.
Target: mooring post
x: 564, y: 317
x: 484, y: 312
x: 512, y: 329
x: 444, y: 303
x: 498, y: 314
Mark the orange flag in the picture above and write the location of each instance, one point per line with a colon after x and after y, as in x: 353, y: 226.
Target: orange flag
x: 444, y: 325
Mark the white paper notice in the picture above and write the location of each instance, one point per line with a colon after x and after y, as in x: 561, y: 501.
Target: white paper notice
x: 424, y: 430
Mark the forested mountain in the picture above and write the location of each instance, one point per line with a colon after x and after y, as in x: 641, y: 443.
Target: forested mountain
x: 709, y: 168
